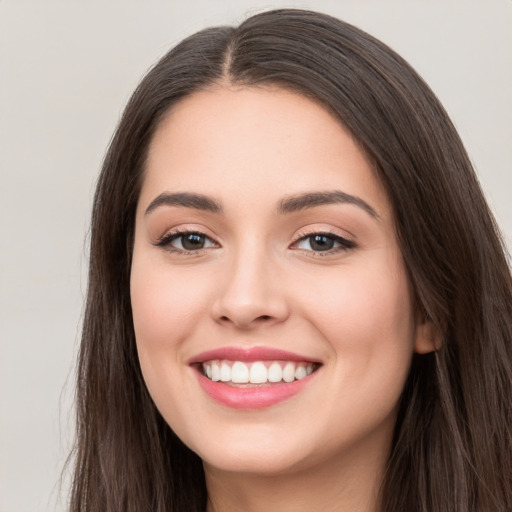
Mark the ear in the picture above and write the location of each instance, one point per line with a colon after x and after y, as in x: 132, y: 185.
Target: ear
x: 428, y: 336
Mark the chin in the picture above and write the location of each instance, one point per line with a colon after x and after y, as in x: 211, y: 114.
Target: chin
x: 258, y: 451
x: 254, y: 462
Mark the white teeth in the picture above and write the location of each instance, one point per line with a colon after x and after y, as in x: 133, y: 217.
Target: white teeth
x: 225, y: 372
x: 239, y: 373
x: 257, y: 372
x: 215, y: 372
x: 275, y: 373
x: 300, y: 372
x: 289, y: 372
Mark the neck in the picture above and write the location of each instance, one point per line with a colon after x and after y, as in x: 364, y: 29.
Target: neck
x: 351, y: 483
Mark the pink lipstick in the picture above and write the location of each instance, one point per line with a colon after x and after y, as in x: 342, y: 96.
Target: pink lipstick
x: 252, y: 378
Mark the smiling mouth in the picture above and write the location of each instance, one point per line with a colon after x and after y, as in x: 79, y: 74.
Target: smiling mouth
x: 253, y: 378
x: 256, y: 373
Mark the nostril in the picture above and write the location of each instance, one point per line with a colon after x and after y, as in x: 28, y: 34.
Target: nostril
x: 262, y: 318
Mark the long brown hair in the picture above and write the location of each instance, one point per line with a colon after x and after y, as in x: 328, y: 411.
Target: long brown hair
x: 452, y: 450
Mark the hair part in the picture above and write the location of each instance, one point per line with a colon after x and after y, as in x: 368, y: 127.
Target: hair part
x: 453, y: 440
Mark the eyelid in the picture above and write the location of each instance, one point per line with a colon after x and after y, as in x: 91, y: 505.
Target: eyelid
x: 345, y: 242
x: 164, y: 241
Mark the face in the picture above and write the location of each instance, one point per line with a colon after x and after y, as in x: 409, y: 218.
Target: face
x: 271, y: 306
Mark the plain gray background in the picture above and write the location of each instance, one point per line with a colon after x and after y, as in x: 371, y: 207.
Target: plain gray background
x: 66, y: 70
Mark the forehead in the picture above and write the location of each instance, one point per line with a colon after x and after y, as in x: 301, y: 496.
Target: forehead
x: 223, y: 140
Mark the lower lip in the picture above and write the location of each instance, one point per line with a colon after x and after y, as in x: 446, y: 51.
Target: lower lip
x: 251, y: 398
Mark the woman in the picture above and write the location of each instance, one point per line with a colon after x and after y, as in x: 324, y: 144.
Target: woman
x: 298, y: 298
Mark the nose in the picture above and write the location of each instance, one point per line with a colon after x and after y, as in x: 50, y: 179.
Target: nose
x: 250, y: 293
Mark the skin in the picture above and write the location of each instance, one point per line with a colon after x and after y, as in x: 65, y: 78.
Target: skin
x: 257, y: 282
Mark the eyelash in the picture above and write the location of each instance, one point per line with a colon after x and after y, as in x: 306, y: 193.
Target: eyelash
x: 344, y: 243
x: 166, y: 240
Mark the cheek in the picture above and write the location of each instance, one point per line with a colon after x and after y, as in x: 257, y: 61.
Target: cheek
x: 165, y: 306
x: 363, y: 299
x: 166, y: 309
x: 366, y: 318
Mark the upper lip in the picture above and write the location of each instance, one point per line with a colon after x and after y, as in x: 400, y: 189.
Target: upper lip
x: 248, y: 354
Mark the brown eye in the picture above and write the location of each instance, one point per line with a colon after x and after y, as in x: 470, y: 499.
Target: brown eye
x: 186, y: 241
x: 192, y: 241
x: 323, y: 242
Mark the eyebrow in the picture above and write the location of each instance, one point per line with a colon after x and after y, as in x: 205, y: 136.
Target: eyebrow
x: 288, y: 205
x: 187, y: 200
x: 312, y: 199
